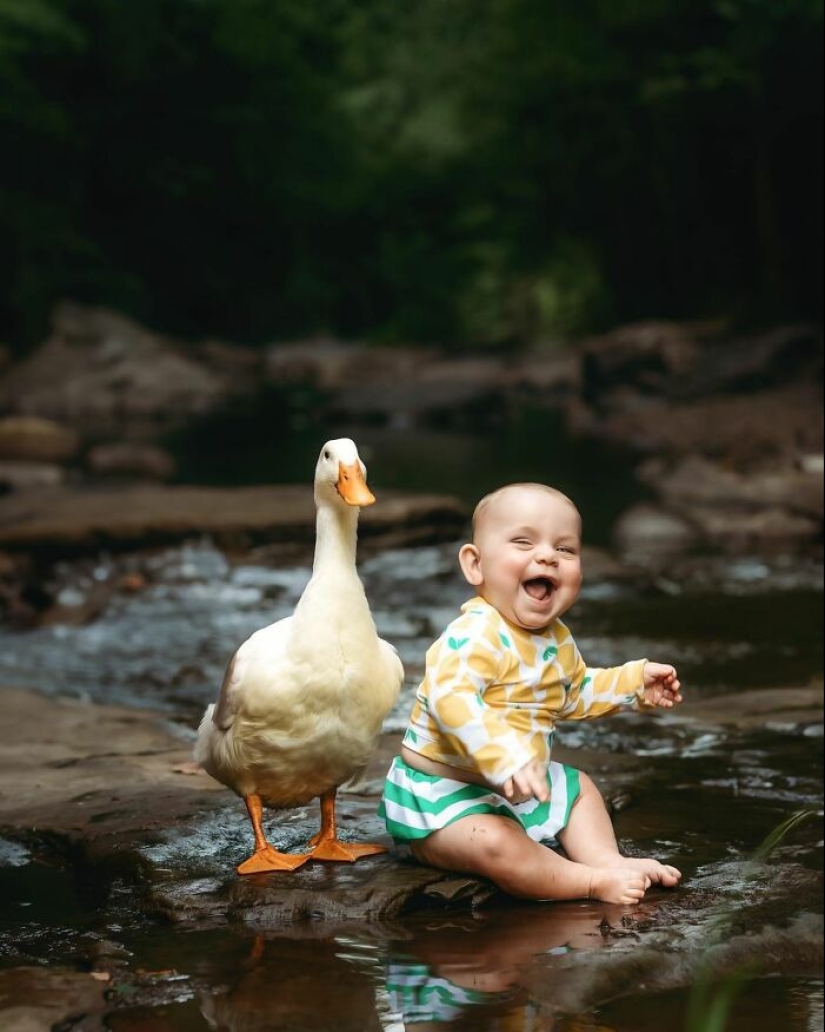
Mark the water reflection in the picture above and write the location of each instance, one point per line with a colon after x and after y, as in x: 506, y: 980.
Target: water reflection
x: 294, y: 985
x: 474, y: 973
x: 439, y: 972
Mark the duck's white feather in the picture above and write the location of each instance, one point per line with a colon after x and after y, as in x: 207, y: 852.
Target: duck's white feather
x: 304, y: 699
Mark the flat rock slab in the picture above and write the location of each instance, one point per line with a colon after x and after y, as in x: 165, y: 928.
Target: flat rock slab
x: 105, y: 783
x: 761, y: 707
x: 67, y: 519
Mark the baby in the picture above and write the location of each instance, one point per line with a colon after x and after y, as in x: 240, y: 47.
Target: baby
x: 474, y: 788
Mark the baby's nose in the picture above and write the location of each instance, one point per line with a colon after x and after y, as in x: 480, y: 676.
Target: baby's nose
x: 546, y: 554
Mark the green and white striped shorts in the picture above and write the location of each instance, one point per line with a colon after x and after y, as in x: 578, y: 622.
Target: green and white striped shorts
x: 415, y: 805
x: 419, y: 995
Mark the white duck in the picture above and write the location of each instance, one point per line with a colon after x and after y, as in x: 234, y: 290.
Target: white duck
x: 303, y: 700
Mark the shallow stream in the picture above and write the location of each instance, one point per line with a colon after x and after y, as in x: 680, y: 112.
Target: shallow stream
x: 704, y: 797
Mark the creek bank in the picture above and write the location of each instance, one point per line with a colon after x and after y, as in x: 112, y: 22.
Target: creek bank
x: 108, y: 784
x: 62, y: 521
x: 41, y: 530
x: 723, y: 414
x: 98, y: 791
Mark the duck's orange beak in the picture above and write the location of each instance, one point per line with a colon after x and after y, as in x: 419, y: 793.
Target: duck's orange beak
x: 351, y: 485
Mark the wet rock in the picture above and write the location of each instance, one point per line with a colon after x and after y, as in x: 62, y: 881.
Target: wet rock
x: 374, y: 890
x: 729, y: 421
x: 741, y: 530
x: 550, y: 378
x: 697, y: 481
x: 577, y: 984
x: 640, y: 357
x: 747, y: 363
x: 400, y: 386
x: 694, y: 360
x: 786, y: 707
x: 30, y: 439
x: 23, y: 595
x: 83, y: 521
x: 36, y: 999
x: 646, y: 529
x: 812, y: 463
x: 18, y: 476
x: 451, y: 399
x: 406, y: 386
x: 131, y: 460
x: 743, y: 430
x: 705, y: 500
x: 332, y: 365
x: 100, y: 783
x: 101, y: 371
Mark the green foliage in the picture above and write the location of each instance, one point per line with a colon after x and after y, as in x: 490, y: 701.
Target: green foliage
x: 781, y: 832
x: 710, y: 1001
x: 478, y: 174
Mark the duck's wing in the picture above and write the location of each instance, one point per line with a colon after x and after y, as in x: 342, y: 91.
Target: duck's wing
x: 392, y: 661
x: 223, y: 714
x: 269, y: 642
x: 392, y: 666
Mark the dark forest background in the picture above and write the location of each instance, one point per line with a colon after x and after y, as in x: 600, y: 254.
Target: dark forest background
x: 472, y: 174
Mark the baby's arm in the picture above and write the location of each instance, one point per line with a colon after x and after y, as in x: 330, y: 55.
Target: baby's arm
x: 662, y: 687
x: 597, y: 692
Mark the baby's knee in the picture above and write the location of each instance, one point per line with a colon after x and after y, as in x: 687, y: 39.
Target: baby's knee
x: 498, y: 841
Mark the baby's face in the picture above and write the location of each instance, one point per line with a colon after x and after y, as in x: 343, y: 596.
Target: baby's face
x: 526, y: 557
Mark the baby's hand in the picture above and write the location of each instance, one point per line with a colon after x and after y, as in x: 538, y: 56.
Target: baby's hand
x: 528, y: 783
x: 661, y: 685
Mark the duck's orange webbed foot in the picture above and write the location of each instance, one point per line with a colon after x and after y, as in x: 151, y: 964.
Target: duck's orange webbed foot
x: 335, y: 849
x: 327, y: 845
x: 266, y: 857
x: 269, y: 859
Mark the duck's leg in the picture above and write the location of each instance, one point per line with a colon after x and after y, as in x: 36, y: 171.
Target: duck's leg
x: 266, y: 857
x: 328, y: 846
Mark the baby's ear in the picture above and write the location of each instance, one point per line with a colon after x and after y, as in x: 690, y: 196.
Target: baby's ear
x: 469, y: 559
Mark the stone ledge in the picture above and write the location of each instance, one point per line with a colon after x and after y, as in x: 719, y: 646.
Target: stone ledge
x: 84, y: 520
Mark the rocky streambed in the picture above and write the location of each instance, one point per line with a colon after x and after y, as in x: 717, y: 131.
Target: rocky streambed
x: 122, y: 909
x: 149, y: 522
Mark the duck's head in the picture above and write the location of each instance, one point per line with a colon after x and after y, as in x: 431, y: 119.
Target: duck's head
x: 340, y: 474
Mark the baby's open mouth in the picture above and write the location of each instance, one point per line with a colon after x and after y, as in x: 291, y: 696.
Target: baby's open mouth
x: 539, y: 588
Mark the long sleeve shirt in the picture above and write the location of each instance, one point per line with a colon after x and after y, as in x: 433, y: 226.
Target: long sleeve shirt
x: 492, y: 693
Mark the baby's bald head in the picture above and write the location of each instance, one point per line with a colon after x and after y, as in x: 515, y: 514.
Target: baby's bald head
x: 507, y: 498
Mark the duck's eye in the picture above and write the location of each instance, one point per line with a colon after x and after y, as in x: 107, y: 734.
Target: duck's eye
x: 326, y: 454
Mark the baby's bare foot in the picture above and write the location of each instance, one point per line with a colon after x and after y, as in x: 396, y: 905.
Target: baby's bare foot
x: 658, y: 873
x: 618, y: 885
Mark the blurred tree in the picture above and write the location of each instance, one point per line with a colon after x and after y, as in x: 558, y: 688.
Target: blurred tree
x: 39, y: 235
x: 475, y: 174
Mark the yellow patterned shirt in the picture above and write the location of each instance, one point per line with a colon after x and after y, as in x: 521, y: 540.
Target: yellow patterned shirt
x: 492, y: 693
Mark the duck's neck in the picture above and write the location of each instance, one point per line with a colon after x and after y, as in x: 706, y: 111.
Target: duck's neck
x: 336, y: 535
